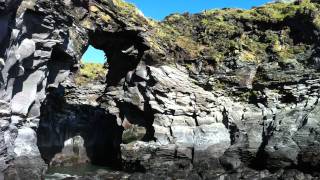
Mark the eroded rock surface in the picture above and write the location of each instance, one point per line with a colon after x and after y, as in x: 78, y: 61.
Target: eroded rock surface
x: 196, y: 130
x: 224, y: 94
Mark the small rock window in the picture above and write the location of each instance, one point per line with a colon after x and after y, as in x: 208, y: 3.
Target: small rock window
x: 93, y: 55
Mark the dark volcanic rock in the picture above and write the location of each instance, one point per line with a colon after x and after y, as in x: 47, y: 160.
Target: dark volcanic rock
x: 224, y: 94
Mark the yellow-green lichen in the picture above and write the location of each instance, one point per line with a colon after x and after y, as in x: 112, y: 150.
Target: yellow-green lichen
x: 90, y: 72
x: 222, y: 33
x: 316, y: 20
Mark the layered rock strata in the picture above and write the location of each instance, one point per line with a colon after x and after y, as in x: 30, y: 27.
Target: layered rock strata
x: 225, y: 94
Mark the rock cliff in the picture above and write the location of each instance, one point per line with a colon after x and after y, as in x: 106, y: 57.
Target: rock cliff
x: 223, y: 94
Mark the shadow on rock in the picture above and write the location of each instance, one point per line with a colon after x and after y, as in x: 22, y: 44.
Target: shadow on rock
x: 69, y: 134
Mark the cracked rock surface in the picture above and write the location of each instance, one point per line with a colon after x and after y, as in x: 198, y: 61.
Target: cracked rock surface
x: 223, y: 94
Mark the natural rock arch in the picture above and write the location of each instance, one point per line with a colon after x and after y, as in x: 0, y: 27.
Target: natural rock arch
x: 46, y: 42
x: 212, y: 95
x: 102, y: 135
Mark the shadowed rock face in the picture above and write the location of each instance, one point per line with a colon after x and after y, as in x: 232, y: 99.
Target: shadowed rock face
x: 223, y: 94
x: 71, y: 123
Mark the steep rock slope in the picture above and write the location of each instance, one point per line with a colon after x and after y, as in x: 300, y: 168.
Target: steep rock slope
x: 223, y: 94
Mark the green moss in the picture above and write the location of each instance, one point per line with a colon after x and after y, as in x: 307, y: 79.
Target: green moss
x: 316, y: 20
x: 174, y: 18
x: 90, y: 72
x: 125, y: 8
x: 275, y: 12
x: 189, y: 45
x: 271, y: 12
x: 219, y: 26
x: 130, y: 14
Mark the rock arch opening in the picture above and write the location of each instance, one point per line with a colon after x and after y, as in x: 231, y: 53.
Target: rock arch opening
x: 93, y: 55
x: 74, y: 130
x: 124, y: 51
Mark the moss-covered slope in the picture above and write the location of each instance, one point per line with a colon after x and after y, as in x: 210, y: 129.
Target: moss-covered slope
x: 90, y: 72
x: 282, y: 30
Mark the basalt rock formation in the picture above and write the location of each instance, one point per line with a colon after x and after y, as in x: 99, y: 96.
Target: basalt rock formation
x: 223, y: 94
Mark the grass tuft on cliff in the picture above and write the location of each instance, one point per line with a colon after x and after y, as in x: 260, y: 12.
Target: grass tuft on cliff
x: 90, y: 72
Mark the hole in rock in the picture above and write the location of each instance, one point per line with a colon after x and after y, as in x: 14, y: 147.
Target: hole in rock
x: 72, y: 132
x: 93, y: 55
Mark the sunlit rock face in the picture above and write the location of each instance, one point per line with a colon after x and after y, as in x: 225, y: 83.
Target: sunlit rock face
x: 225, y: 94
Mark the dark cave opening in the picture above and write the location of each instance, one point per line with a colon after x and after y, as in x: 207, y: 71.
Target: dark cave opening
x: 61, y: 121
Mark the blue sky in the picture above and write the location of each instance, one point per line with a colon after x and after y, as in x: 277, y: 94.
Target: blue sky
x: 93, y: 55
x: 158, y: 9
